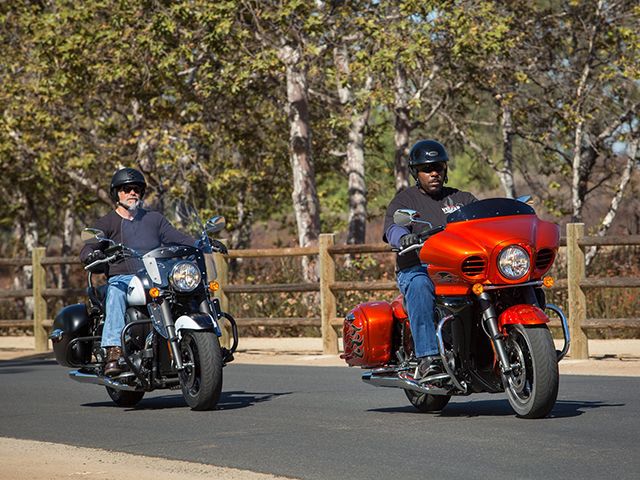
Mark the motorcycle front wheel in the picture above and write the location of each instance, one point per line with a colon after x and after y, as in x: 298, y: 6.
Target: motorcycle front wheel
x: 201, y: 379
x: 427, y: 403
x: 532, y: 387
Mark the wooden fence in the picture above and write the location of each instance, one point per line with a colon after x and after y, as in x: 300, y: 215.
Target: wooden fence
x: 576, y: 284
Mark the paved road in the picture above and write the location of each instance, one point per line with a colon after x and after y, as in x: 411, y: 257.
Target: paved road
x: 324, y: 423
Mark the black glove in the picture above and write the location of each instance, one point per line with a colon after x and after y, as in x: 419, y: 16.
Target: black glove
x: 409, y: 239
x: 95, y: 255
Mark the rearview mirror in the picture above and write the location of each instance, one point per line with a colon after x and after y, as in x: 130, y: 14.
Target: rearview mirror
x: 215, y: 224
x: 94, y: 234
x: 404, y: 216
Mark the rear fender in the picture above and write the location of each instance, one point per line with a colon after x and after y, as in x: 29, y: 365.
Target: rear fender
x: 522, y: 315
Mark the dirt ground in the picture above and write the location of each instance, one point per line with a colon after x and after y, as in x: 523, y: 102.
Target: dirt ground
x: 29, y: 460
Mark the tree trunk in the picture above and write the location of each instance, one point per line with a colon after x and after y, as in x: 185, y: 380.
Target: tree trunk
x: 305, y: 197
x: 617, y: 198
x: 357, y: 223
x: 27, y: 231
x: 357, y: 183
x: 506, y: 172
x: 67, y: 246
x: 583, y: 155
x: 402, y: 129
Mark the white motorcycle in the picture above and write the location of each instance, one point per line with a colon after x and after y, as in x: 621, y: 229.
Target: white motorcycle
x: 172, y: 328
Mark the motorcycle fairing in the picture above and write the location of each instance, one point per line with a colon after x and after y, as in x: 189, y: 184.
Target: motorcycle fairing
x: 523, y: 315
x: 475, y: 246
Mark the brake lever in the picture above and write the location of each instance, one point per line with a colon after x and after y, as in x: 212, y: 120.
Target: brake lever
x: 101, y: 261
x: 415, y: 246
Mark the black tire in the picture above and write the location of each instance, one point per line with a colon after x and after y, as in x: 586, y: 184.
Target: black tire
x: 427, y: 403
x: 533, y: 387
x: 201, y: 380
x: 124, y: 398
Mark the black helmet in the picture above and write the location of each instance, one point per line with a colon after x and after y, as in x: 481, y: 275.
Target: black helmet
x: 126, y: 176
x: 426, y: 151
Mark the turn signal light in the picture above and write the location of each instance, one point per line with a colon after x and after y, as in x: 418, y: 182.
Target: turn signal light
x: 214, y: 286
x: 548, y: 282
x: 154, y: 292
x: 477, y: 288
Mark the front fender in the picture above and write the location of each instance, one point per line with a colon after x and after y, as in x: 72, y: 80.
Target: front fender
x: 522, y: 315
x: 197, y: 321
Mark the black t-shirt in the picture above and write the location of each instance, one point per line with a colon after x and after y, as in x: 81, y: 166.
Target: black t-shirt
x: 431, y: 209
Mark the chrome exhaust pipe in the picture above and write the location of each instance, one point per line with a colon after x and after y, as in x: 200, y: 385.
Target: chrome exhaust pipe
x: 386, y: 377
x: 81, y: 377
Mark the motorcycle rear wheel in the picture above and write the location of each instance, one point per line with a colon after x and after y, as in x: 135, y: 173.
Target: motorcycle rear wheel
x: 201, y: 381
x: 124, y: 398
x: 533, y: 387
x: 427, y: 403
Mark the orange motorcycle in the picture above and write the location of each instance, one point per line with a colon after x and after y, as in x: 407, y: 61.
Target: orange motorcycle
x: 488, y: 264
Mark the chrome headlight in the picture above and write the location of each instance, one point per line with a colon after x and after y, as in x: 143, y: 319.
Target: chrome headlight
x: 185, y: 276
x: 513, y: 262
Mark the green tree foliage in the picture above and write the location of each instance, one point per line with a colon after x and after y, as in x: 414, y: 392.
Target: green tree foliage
x: 194, y: 94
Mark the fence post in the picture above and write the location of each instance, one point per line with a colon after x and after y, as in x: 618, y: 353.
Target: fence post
x: 39, y: 303
x: 576, y: 298
x: 328, y: 309
x: 222, y: 269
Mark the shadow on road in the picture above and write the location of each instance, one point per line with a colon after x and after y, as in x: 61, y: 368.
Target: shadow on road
x: 228, y: 401
x: 8, y: 367
x: 497, y: 408
x: 483, y: 408
x: 567, y: 408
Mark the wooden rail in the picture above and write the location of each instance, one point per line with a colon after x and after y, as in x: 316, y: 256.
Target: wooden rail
x: 576, y: 284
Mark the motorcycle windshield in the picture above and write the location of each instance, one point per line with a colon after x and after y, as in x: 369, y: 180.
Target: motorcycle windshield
x: 490, y: 208
x: 159, y: 262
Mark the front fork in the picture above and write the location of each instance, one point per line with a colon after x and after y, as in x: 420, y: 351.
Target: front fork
x: 172, y: 338
x: 490, y: 320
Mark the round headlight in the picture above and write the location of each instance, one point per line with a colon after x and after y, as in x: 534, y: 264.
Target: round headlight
x: 185, y: 276
x: 513, y: 262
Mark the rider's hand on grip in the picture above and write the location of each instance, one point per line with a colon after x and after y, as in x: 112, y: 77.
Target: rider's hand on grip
x: 409, y: 239
x: 94, y: 256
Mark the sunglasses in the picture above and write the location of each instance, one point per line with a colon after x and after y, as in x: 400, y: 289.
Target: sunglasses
x: 437, y: 167
x: 130, y: 188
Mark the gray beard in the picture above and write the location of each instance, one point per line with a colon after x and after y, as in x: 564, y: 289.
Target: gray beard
x: 133, y: 207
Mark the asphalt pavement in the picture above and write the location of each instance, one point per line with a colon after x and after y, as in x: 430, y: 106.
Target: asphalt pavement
x: 324, y: 423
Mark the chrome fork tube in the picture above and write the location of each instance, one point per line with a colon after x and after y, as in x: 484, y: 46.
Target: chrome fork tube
x: 490, y: 319
x: 171, y: 334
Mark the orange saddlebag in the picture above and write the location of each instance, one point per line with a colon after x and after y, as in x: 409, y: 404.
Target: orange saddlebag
x: 367, y: 335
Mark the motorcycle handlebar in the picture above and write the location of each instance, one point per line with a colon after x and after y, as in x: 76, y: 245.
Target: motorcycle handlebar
x: 100, y: 262
x: 423, y: 236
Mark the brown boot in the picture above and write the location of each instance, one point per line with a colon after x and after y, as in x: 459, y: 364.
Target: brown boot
x: 111, y: 369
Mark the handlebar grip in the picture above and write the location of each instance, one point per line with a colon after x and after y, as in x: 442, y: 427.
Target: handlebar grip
x: 424, y: 235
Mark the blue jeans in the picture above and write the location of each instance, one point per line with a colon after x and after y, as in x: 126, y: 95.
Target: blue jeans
x: 419, y: 297
x: 116, y: 306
